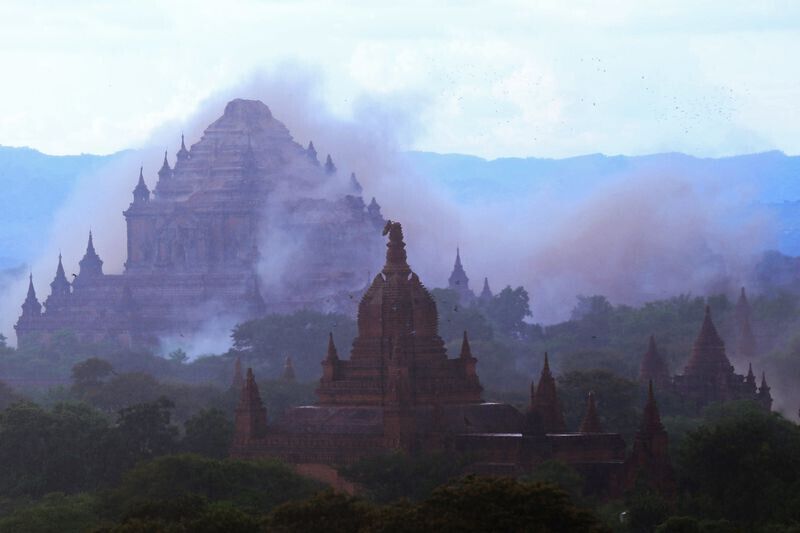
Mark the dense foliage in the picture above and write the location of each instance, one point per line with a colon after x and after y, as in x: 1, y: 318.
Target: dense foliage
x: 89, y: 438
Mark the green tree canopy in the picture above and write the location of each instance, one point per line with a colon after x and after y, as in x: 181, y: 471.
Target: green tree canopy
x: 208, y: 433
x: 743, y: 466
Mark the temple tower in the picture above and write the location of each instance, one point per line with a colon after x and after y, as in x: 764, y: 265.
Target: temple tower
x: 330, y: 363
x: 183, y: 153
x: 91, y: 265
x: 459, y: 282
x: 238, y: 379
x: 31, y: 312
x: 764, y: 396
x: 708, y: 376
x: 486, y: 293
x: 251, y: 415
x: 288, y: 370
x: 546, y: 404
x: 750, y: 381
x: 355, y: 186
x: 60, y: 290
x: 650, y: 455
x: 141, y: 194
x: 31, y: 308
x: 330, y: 168
x: 591, y: 421
x: 165, y: 172
x: 653, y: 367
x: 745, y: 340
x: 311, y: 152
x: 398, y: 340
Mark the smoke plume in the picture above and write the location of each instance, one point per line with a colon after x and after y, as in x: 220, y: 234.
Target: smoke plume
x: 641, y: 237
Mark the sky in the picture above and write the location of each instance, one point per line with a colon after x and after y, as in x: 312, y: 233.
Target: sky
x: 494, y: 79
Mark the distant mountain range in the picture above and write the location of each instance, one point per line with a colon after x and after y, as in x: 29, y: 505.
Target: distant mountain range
x: 34, y: 184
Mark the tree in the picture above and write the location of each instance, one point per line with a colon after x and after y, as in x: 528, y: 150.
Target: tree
x: 54, y: 513
x: 88, y: 376
x: 616, y: 398
x: 455, y: 318
x: 502, y: 504
x: 127, y: 389
x: 303, y: 335
x: 646, y: 509
x: 143, y: 431
x: 178, y: 356
x: 188, y: 513
x: 508, y: 309
x: 394, y: 476
x: 47, y: 451
x: 742, y: 466
x: 467, y: 505
x: 208, y: 433
x: 8, y: 396
x: 172, y: 481
x: 561, y: 475
x: 327, y: 511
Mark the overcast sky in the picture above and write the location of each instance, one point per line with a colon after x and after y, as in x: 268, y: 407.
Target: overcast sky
x: 488, y: 78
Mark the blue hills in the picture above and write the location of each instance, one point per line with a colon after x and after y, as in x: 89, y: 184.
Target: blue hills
x: 35, y: 185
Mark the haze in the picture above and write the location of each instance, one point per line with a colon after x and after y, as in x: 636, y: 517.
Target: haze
x: 546, y: 80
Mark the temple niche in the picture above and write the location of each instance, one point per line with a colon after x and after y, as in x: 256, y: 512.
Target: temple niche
x: 399, y: 390
x: 203, y: 240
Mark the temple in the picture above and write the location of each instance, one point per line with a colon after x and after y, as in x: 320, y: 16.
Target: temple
x: 708, y: 376
x: 459, y: 282
x: 745, y: 339
x: 653, y: 367
x: 400, y: 391
x: 226, y: 230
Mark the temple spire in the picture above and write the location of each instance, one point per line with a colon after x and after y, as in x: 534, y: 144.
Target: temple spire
x: 651, y: 419
x: 60, y: 285
x: 459, y: 282
x: 653, y: 367
x: 238, y: 380
x: 591, y: 422
x: 330, y: 168
x: 354, y: 184
x: 165, y: 172
x: 332, y: 354
x: 486, y: 294
x: 745, y: 339
x: 251, y: 415
x: 31, y: 305
x: 396, y: 259
x: 466, y: 352
x: 649, y: 458
x: 91, y: 264
x: 141, y: 193
x: 331, y: 362
x: 708, y: 359
x: 546, y: 403
x: 764, y: 395
x: 183, y: 153
x: 60, y: 289
x: 750, y: 379
x: 288, y: 370
x: 311, y: 152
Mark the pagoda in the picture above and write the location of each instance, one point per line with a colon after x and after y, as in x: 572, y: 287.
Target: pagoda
x: 203, y: 235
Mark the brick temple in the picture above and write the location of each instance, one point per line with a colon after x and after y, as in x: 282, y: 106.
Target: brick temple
x: 201, y: 240
x: 709, y: 376
x: 400, y: 391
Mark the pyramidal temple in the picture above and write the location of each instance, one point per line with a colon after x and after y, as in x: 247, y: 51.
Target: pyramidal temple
x: 205, y: 231
x: 399, y: 391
